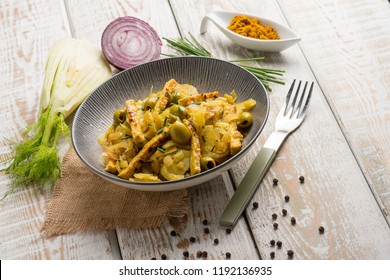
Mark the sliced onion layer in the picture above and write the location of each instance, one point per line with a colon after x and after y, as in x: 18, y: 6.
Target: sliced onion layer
x: 129, y: 41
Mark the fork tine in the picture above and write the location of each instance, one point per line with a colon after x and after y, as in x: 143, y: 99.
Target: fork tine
x: 284, y: 109
x: 304, y: 109
x: 292, y: 106
x: 298, y: 109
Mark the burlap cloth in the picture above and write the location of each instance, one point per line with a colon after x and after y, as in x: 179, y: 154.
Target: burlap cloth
x: 83, y: 201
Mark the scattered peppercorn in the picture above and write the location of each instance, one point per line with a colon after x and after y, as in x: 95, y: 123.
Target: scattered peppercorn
x: 206, y: 230
x: 293, y: 221
x: 286, y: 198
x: 173, y: 233
x: 279, y: 243
x: 204, y: 254
x: 321, y: 229
x: 272, y: 242
x: 198, y: 254
x: 205, y: 222
x: 272, y: 255
x: 255, y: 205
x: 301, y: 179
x: 290, y: 254
x: 228, y: 230
x: 228, y: 255
x: 153, y: 259
x: 163, y: 256
x: 186, y: 254
x: 275, y: 225
x: 274, y: 216
x: 284, y: 212
x: 192, y: 239
x: 275, y: 181
x: 216, y: 241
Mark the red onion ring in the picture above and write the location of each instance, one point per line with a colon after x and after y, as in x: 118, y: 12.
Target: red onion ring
x: 129, y: 41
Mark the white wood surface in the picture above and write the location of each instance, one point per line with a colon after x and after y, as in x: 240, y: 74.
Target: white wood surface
x: 346, y: 44
x: 341, y: 148
x: 27, y: 30
x: 335, y: 195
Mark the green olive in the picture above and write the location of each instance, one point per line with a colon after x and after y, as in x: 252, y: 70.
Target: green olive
x: 150, y: 102
x: 207, y: 163
x: 245, y: 119
x: 178, y: 111
x: 179, y: 132
x: 119, y: 116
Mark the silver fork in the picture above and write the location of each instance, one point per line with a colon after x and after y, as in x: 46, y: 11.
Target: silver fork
x: 288, y: 120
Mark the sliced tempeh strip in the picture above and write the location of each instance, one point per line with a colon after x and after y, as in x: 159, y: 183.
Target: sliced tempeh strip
x: 195, y: 149
x: 185, y: 101
x: 170, y: 86
x: 165, y: 95
x: 133, y: 120
x: 236, y: 136
x: 144, y: 154
x: 236, y: 139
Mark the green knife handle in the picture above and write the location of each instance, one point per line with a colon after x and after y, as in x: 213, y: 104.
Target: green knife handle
x: 247, y: 187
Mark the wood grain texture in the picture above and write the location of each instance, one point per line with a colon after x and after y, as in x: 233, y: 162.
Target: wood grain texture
x: 205, y: 200
x: 347, y: 46
x: 335, y: 194
x: 341, y: 148
x: 27, y: 30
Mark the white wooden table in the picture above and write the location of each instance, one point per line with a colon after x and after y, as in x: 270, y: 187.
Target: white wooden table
x: 342, y: 148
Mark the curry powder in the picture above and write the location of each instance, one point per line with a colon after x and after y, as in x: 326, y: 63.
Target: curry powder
x: 251, y: 27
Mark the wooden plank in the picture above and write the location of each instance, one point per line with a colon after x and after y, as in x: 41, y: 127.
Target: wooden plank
x: 206, y: 201
x: 335, y: 194
x: 347, y: 45
x: 28, y: 29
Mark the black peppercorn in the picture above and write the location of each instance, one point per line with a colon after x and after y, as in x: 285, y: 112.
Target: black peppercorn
x: 275, y: 225
x: 284, y: 212
x: 286, y: 198
x: 173, y: 233
x: 293, y: 221
x: 272, y: 242
x: 290, y: 254
x: 275, y: 181
x: 198, y: 254
x: 274, y: 216
x: 321, y: 229
x: 163, y: 257
x: 216, y: 241
x: 228, y: 255
x: 153, y: 259
x: 279, y: 244
x: 272, y: 255
x: 186, y: 254
x: 301, y: 179
x: 192, y: 239
x: 204, y: 254
x: 205, y: 222
x: 206, y: 230
x: 255, y: 205
x: 228, y: 230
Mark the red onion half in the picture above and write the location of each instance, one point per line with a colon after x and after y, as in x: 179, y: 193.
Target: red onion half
x: 129, y: 41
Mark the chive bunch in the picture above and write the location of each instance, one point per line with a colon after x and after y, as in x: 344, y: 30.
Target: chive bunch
x: 190, y: 46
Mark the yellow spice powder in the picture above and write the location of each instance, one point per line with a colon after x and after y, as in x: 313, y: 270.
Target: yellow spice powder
x: 251, y: 27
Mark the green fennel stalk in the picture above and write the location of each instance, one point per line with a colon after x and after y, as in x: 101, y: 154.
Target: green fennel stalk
x: 36, y: 159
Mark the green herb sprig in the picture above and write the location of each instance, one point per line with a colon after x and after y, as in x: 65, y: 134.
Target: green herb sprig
x: 190, y: 46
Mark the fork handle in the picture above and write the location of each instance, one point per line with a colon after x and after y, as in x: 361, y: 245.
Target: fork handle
x: 247, y: 187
